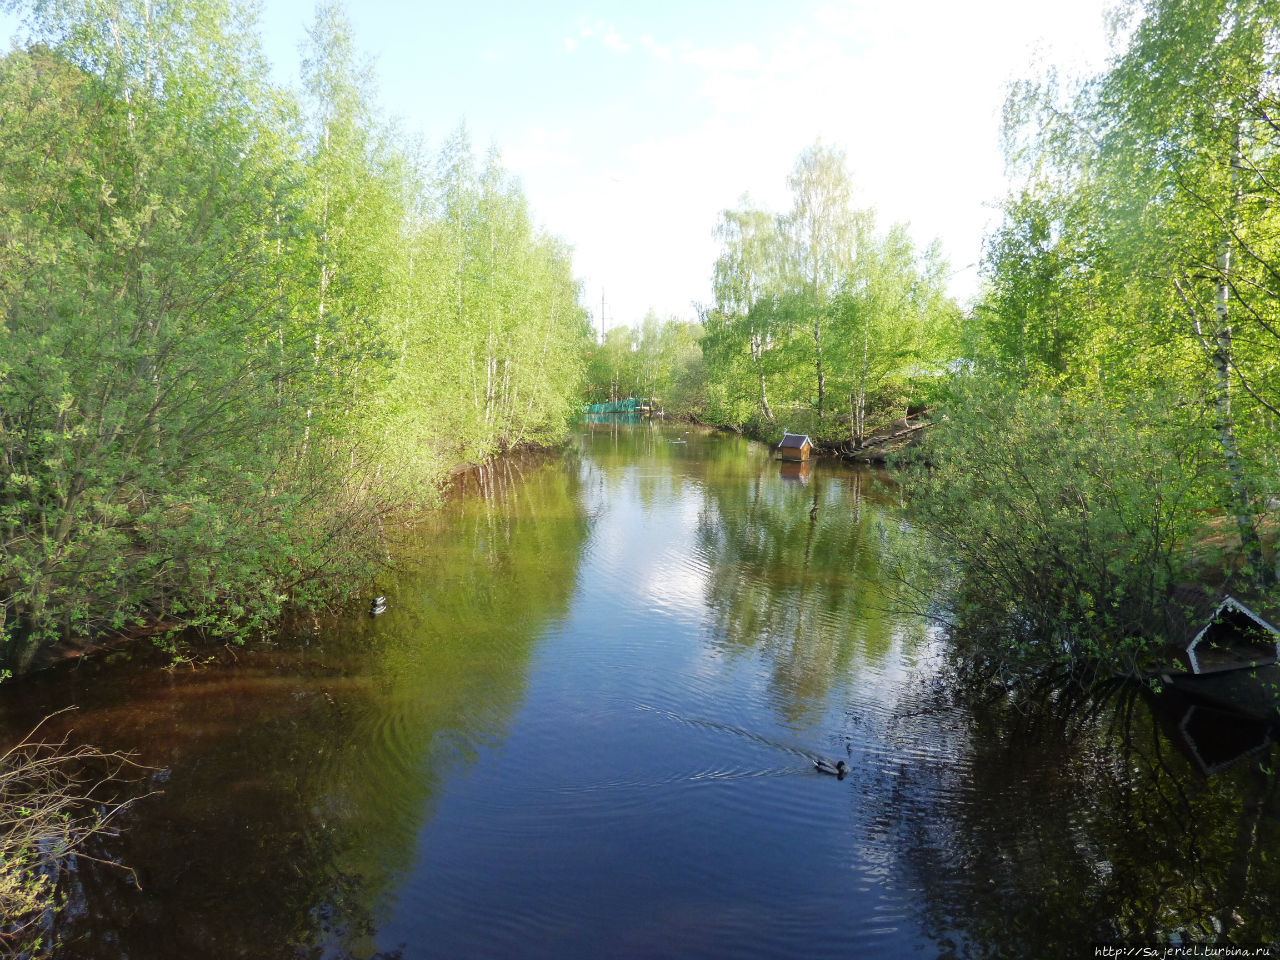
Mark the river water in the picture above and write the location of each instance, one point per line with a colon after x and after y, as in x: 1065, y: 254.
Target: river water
x: 587, y: 726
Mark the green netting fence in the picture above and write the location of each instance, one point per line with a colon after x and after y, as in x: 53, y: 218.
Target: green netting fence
x: 617, y: 406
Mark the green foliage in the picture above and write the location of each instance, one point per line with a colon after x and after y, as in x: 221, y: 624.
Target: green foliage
x: 1130, y: 316
x: 1142, y: 250
x: 816, y: 311
x: 140, y: 415
x: 659, y: 360
x: 238, y: 330
x: 1066, y: 521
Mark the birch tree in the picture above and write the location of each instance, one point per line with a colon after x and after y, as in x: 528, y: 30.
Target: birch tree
x: 1156, y: 188
x: 746, y: 278
x: 824, y: 234
x: 1193, y: 105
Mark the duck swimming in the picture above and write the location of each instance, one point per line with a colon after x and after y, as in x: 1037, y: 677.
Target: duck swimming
x: 838, y: 769
x: 378, y: 606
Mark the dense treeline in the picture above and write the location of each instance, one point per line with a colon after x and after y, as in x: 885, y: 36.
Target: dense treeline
x: 1119, y: 417
x: 819, y: 322
x: 818, y: 319
x: 660, y: 360
x: 238, y: 325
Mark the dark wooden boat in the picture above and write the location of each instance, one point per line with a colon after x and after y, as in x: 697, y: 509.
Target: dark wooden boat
x: 1228, y: 655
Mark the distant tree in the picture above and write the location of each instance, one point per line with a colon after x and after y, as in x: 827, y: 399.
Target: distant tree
x: 815, y: 308
x: 825, y: 235
x: 747, y: 275
x: 890, y: 319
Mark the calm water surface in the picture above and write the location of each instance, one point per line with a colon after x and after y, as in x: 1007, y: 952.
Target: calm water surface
x: 586, y: 727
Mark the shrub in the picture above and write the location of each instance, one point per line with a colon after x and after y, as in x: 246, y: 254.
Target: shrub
x: 53, y: 797
x: 1064, y: 523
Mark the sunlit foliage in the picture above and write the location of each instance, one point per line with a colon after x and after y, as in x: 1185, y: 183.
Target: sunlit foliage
x: 1116, y: 410
x: 820, y: 321
x: 239, y: 328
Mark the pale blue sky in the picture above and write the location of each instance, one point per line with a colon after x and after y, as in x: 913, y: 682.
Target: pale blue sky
x: 631, y: 126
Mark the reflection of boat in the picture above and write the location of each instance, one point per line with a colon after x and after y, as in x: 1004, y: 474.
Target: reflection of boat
x: 1217, y: 739
x: 795, y: 471
x: 1250, y: 693
x: 1213, y: 738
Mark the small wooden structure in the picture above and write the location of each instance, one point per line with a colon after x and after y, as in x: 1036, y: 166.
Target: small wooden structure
x: 795, y: 446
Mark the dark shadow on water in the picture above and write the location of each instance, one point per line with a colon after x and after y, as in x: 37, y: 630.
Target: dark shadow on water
x: 1058, y: 821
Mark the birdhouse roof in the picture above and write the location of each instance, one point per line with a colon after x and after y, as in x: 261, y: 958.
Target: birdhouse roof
x: 795, y: 440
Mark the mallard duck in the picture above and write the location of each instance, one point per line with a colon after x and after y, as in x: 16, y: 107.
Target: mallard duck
x: 378, y: 606
x: 838, y: 769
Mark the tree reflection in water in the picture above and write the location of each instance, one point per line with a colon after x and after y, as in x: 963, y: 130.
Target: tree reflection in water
x: 797, y: 575
x: 1049, y: 824
x: 296, y: 776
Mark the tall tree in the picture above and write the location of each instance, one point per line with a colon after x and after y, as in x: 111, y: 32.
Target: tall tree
x: 1192, y: 104
x: 142, y: 204
x: 747, y: 278
x: 825, y: 234
x: 891, y: 309
x: 1145, y: 251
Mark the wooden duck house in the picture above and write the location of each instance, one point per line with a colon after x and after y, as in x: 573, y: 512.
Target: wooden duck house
x: 795, y: 446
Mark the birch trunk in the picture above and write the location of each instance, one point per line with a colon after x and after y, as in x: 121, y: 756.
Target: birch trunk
x: 817, y: 345
x: 757, y: 351
x: 1221, y: 358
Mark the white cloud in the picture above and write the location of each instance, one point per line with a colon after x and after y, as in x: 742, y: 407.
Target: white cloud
x: 540, y: 148
x: 843, y: 19
x: 613, y: 40
x: 916, y: 109
x: 736, y: 61
x: 608, y: 36
x: 658, y: 50
x: 912, y: 93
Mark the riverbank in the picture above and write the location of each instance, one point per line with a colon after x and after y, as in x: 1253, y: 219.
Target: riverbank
x: 882, y: 444
x: 877, y: 447
x: 348, y: 588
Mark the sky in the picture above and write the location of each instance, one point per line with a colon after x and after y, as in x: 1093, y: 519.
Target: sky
x: 632, y: 126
